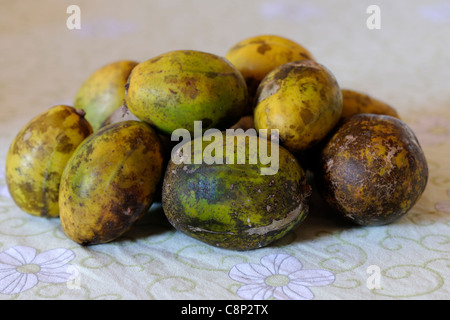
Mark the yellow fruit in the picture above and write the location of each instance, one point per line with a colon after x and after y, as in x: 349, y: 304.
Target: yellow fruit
x: 302, y: 100
x: 255, y: 57
x: 38, y: 155
x: 176, y: 88
x: 355, y: 102
x: 110, y: 182
x: 103, y: 92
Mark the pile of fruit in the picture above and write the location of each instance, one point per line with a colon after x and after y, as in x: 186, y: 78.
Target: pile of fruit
x: 100, y: 164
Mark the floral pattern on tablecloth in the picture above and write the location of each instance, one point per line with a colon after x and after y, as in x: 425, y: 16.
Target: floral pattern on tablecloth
x: 22, y: 268
x: 280, y: 276
x: 324, y: 258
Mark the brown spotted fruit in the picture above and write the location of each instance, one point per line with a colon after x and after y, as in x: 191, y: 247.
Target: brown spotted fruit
x: 110, y: 182
x: 372, y: 169
x: 103, y: 91
x: 237, y: 201
x: 38, y: 155
x: 177, y: 88
x: 355, y: 102
x: 256, y: 56
x: 301, y: 99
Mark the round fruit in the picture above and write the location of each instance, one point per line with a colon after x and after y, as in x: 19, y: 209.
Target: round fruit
x: 372, y: 170
x: 231, y: 205
x: 103, y: 92
x: 301, y: 99
x: 174, y: 89
x: 255, y: 57
x: 110, y: 182
x: 38, y: 155
x: 355, y: 102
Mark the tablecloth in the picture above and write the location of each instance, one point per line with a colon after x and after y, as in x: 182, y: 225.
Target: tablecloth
x: 397, y: 52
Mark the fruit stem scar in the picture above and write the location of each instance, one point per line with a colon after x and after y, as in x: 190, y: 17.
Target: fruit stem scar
x: 277, y: 224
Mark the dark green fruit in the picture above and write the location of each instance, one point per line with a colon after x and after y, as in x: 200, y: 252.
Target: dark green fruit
x: 372, y: 170
x: 235, y: 206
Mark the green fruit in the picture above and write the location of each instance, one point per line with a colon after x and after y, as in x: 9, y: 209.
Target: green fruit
x: 176, y: 88
x: 301, y: 99
x: 38, y: 155
x: 110, y: 182
x: 372, y: 169
x: 235, y: 206
x: 104, y: 91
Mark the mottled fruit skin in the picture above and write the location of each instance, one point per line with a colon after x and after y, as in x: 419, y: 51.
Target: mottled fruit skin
x: 176, y: 88
x: 372, y: 170
x: 256, y: 56
x: 123, y: 114
x: 38, y: 155
x: 355, y: 102
x: 110, y: 182
x: 233, y: 206
x: 104, y: 91
x: 301, y: 99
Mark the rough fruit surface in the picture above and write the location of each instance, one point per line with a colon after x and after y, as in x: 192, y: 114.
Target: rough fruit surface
x: 104, y: 91
x: 234, y: 206
x: 372, y: 170
x: 300, y: 99
x: 256, y: 56
x: 110, y: 182
x: 38, y: 155
x: 176, y: 88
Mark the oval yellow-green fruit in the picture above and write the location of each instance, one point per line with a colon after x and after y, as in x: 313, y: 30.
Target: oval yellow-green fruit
x: 38, y: 155
x: 110, y: 182
x: 256, y: 56
x: 234, y: 198
x: 176, y: 88
x: 355, y: 102
x: 103, y: 91
x: 301, y: 99
x: 372, y: 169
